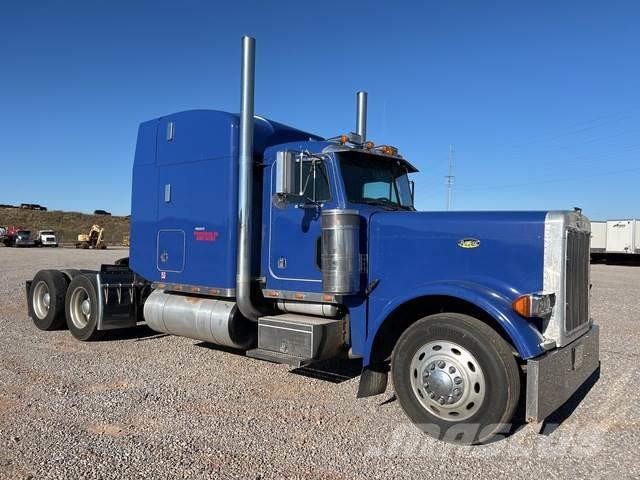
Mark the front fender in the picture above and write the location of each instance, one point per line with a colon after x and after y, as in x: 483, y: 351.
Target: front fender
x: 524, y: 335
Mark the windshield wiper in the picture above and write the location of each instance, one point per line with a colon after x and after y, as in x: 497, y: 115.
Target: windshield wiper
x: 382, y: 202
x: 377, y: 203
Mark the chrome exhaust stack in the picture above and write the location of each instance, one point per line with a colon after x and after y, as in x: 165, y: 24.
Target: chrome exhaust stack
x: 361, y: 115
x: 221, y: 321
x: 245, y: 182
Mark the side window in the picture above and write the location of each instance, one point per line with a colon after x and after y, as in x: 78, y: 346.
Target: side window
x: 315, y: 181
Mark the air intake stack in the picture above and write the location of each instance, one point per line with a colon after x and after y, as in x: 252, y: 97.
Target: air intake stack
x: 340, y: 251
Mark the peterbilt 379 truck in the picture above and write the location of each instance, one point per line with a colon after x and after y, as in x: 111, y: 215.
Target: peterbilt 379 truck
x: 296, y: 248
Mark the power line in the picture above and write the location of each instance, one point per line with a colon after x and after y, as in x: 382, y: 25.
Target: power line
x: 566, y: 180
x: 575, y: 128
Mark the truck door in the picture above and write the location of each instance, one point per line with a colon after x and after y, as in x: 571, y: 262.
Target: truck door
x: 294, y: 229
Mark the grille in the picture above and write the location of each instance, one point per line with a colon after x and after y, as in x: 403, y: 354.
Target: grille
x: 577, y: 280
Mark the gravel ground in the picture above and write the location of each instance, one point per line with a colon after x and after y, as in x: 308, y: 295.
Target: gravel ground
x: 145, y: 405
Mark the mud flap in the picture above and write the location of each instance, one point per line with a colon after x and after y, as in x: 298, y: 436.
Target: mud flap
x: 117, y: 298
x: 373, y: 380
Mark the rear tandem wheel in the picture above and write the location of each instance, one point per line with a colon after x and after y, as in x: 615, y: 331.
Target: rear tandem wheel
x: 47, y: 298
x: 82, y: 309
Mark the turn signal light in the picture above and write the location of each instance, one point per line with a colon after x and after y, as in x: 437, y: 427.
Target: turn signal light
x: 343, y: 139
x: 522, y: 305
x: 369, y: 145
x: 534, y: 305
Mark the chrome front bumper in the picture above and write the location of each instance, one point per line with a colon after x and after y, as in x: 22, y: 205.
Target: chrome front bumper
x: 554, y: 377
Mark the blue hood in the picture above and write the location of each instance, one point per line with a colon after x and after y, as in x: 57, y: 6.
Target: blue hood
x: 503, y: 251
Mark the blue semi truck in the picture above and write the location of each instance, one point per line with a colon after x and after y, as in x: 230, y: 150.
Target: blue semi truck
x: 297, y: 248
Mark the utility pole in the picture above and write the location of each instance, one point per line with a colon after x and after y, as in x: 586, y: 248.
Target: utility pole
x: 450, y: 177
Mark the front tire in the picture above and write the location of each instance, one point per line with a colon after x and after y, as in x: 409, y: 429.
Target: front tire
x: 81, y: 307
x: 456, y: 378
x: 46, y: 299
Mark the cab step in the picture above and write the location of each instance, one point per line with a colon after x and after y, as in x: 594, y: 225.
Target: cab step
x: 277, y: 357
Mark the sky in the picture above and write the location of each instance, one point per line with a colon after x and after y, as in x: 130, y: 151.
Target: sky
x: 539, y: 99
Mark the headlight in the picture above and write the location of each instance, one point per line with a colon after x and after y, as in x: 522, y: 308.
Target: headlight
x: 534, y: 304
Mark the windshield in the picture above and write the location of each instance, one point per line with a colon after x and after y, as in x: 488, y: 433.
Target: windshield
x: 375, y: 181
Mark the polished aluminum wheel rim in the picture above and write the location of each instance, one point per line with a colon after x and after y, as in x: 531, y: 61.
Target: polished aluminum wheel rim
x: 80, y: 307
x: 41, y: 300
x: 447, y: 380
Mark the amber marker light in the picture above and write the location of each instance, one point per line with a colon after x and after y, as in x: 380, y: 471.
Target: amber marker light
x: 522, y: 305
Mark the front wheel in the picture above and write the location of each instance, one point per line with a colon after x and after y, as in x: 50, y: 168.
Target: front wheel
x: 456, y: 378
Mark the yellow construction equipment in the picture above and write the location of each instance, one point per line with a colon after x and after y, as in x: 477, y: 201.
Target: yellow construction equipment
x: 94, y: 239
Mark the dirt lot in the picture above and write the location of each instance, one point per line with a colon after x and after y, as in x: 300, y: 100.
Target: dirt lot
x: 145, y: 405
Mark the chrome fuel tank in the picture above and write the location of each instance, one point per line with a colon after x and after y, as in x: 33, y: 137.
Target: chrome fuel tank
x: 207, y: 319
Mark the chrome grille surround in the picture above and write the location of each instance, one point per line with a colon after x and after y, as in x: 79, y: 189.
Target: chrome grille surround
x: 566, y: 274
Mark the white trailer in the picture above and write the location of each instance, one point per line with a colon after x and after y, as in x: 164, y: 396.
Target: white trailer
x: 598, y: 237
x: 615, y: 241
x: 623, y: 236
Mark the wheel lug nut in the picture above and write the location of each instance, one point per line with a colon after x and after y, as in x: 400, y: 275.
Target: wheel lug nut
x: 457, y: 380
x: 450, y: 399
x: 432, y: 366
x: 456, y: 391
x: 441, y: 400
x: 441, y: 364
x: 432, y: 395
x: 426, y: 374
x: 452, y: 369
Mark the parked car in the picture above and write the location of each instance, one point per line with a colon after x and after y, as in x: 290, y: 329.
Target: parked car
x: 101, y: 212
x: 47, y: 238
